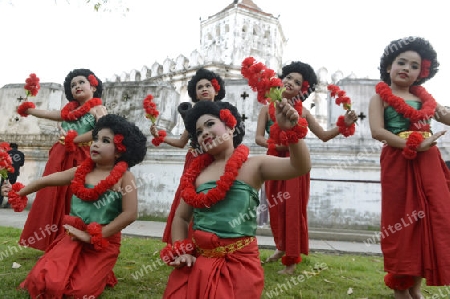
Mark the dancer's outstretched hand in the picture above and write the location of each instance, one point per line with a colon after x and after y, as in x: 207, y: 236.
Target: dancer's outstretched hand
x: 154, y: 130
x: 430, y: 141
x: 350, y: 117
x: 286, y: 115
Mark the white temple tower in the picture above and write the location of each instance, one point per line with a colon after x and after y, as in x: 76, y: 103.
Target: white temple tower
x: 240, y: 30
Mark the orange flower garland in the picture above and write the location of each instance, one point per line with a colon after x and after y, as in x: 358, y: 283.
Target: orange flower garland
x: 213, y: 196
x: 73, y: 111
x: 92, y: 194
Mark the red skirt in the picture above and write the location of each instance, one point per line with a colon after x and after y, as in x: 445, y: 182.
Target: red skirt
x: 415, y: 211
x: 73, y: 268
x: 167, y: 235
x: 288, y: 202
x: 237, y: 275
x: 44, y: 222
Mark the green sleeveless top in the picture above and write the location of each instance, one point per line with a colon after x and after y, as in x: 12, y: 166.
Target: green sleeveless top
x: 269, y: 123
x: 394, y: 122
x: 103, y: 210
x: 82, y: 125
x: 232, y: 217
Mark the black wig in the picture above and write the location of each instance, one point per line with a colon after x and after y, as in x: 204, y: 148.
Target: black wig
x: 411, y: 43
x: 208, y: 75
x: 307, y: 73
x: 213, y: 108
x: 84, y: 73
x: 133, y: 139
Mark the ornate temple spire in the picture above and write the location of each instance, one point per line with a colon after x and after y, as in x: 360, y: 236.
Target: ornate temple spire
x: 240, y: 30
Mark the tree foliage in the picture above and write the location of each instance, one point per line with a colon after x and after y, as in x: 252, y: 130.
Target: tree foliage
x: 107, y: 5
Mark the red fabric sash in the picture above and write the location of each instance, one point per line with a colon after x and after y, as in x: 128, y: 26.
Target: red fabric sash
x: 415, y: 215
x: 237, y: 275
x: 73, y: 268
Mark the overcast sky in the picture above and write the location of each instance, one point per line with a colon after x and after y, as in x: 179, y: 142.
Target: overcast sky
x: 52, y: 37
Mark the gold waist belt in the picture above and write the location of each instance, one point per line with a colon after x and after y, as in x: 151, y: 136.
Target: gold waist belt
x: 62, y: 138
x: 221, y: 251
x: 405, y: 134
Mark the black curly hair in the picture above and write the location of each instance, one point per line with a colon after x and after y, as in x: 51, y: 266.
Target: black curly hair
x: 84, y: 73
x: 411, y: 43
x: 213, y: 108
x: 307, y: 73
x: 208, y: 75
x: 133, y: 139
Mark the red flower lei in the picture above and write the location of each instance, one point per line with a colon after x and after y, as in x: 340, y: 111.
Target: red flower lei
x: 72, y: 111
x: 5, y: 164
x: 68, y: 141
x: 95, y: 230
x: 428, y: 104
x: 262, y: 80
x: 156, y: 141
x: 412, y: 143
x: 341, y: 96
x: 150, y: 108
x: 22, y: 109
x: 32, y: 85
x: 91, y: 194
x: 343, y: 129
x: 213, y: 196
x: 17, y: 202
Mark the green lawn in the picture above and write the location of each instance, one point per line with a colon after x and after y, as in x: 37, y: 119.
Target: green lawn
x: 141, y: 274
